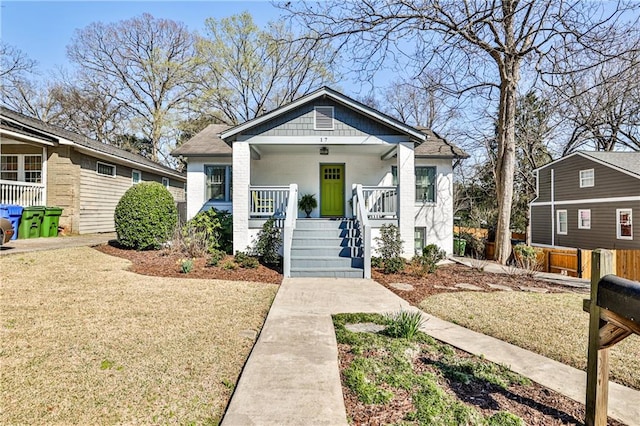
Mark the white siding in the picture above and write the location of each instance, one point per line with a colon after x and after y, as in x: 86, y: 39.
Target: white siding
x: 99, y: 196
x: 437, y: 217
x: 196, y: 184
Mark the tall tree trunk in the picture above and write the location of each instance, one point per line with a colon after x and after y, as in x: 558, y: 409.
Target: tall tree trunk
x: 506, y: 158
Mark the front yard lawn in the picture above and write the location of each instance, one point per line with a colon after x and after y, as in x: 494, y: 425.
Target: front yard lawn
x: 553, y: 325
x: 86, y: 342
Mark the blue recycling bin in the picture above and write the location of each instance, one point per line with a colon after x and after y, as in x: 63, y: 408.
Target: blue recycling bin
x: 13, y: 213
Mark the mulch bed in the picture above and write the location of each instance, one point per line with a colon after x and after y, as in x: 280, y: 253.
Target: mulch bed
x: 447, y: 276
x: 166, y: 263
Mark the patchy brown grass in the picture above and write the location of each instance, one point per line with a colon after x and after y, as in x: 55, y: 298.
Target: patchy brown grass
x: 86, y: 342
x: 553, y: 325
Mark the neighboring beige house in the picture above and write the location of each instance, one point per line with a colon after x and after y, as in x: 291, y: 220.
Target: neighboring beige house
x: 365, y: 168
x: 41, y: 164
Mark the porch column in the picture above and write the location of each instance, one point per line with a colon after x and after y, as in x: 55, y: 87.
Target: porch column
x: 241, y: 181
x: 406, y: 197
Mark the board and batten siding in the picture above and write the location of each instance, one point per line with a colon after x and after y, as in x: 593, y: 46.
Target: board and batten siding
x: 300, y: 122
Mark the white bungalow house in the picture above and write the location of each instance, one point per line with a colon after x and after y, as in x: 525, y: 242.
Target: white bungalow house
x: 365, y: 168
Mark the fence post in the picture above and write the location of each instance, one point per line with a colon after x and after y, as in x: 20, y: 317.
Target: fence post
x: 597, y: 359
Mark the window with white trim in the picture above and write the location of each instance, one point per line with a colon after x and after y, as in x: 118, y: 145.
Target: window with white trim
x: 219, y: 183
x: 323, y: 118
x: 584, y: 219
x: 587, y: 178
x: 624, y: 226
x: 165, y: 182
x: 426, y: 184
x: 561, y: 227
x: 21, y: 167
x: 136, y: 176
x: 105, y: 169
x: 419, y: 238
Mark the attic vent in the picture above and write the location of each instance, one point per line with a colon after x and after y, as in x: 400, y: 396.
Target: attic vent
x: 323, y: 118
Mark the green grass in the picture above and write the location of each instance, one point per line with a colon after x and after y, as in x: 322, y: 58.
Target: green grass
x: 383, y: 365
x: 553, y: 325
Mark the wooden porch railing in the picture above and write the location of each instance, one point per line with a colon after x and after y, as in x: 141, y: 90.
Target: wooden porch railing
x: 267, y: 201
x: 24, y: 194
x: 380, y: 201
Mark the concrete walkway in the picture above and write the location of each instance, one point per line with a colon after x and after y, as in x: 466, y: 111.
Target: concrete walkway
x: 292, y: 376
x: 38, y: 244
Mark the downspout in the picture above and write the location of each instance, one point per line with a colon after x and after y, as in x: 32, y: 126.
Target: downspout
x: 553, y: 210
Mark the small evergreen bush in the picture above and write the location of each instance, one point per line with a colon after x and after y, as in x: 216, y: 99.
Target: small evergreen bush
x: 215, y: 257
x: 186, y: 265
x: 269, y: 242
x: 246, y: 261
x: 145, y: 216
x: 390, y: 249
x: 211, y: 228
x: 431, y: 255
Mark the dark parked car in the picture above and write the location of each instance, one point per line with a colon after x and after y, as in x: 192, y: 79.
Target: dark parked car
x: 6, y: 231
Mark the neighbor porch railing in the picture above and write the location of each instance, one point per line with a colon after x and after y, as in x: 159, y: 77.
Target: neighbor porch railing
x: 381, y: 201
x: 362, y: 216
x: 267, y: 201
x: 289, y: 227
x: 24, y: 194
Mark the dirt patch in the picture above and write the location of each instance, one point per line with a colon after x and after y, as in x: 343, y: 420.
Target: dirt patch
x: 165, y: 263
x: 447, y: 277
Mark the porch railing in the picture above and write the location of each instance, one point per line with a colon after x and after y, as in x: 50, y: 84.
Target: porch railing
x: 267, y: 201
x: 381, y: 201
x: 289, y: 227
x: 24, y: 194
x: 362, y: 217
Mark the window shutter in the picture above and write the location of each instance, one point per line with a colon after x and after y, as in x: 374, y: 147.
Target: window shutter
x: 323, y: 118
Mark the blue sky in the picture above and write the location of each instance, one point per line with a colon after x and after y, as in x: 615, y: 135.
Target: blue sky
x: 42, y: 29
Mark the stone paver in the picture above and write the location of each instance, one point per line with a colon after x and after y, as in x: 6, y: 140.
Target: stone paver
x: 292, y: 376
x: 364, y: 327
x: 402, y: 286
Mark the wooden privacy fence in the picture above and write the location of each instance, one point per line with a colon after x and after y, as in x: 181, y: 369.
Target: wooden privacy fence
x: 577, y: 262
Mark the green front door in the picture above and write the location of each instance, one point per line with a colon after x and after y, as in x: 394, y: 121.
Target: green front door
x: 332, y: 190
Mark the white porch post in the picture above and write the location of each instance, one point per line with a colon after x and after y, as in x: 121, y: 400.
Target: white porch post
x: 241, y: 181
x: 43, y: 176
x: 406, y: 195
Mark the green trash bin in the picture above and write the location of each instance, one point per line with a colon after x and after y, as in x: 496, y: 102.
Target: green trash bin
x: 30, y: 222
x: 459, y: 246
x: 50, y: 222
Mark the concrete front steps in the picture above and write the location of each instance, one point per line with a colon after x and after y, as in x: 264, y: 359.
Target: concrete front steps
x: 326, y: 248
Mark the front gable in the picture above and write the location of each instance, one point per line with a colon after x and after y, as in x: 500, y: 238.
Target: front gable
x: 302, y: 122
x: 350, y: 119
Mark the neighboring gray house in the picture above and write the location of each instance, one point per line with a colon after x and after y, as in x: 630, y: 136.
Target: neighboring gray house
x: 588, y: 200
x: 42, y: 164
x: 365, y: 168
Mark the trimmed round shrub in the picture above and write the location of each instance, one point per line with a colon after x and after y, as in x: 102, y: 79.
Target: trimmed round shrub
x: 145, y: 216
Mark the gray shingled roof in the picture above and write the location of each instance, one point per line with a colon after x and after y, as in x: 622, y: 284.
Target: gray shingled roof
x: 82, y: 141
x: 206, y: 143
x: 628, y: 161
x: 435, y: 146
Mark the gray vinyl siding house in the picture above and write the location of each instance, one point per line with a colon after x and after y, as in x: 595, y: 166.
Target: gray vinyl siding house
x: 588, y: 200
x: 42, y: 164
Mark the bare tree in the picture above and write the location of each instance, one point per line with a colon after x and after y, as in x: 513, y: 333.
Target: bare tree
x: 143, y: 64
x: 481, y: 43
x: 247, y: 70
x: 600, y: 104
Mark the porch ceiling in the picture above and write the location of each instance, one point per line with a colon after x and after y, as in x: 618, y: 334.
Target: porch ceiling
x: 378, y: 150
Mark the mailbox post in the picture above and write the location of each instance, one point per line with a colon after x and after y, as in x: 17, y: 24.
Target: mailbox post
x: 614, y: 314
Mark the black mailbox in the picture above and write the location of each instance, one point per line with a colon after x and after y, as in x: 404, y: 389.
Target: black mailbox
x: 620, y: 296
